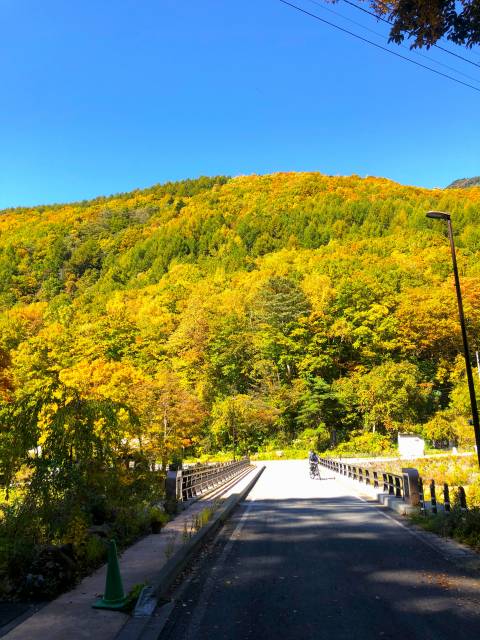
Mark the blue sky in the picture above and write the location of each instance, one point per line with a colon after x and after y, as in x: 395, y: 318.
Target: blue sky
x: 103, y: 96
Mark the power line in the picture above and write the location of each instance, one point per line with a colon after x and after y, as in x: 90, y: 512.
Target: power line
x: 380, y: 35
x: 437, y: 46
x: 378, y: 46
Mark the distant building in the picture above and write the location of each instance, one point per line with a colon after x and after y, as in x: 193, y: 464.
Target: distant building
x: 410, y: 445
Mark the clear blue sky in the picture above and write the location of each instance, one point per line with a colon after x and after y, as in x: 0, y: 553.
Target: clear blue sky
x: 103, y: 96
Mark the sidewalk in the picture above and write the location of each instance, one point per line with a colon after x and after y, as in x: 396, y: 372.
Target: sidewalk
x: 71, y: 615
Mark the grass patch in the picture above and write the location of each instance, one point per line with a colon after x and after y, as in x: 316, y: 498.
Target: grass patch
x: 463, y: 526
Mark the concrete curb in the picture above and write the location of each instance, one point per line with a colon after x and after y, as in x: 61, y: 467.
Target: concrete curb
x: 134, y: 627
x: 396, y: 504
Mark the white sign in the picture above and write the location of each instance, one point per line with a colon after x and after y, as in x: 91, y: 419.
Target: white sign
x: 410, y: 446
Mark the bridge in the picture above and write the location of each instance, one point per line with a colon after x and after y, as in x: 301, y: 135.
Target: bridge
x: 299, y: 559
x: 311, y: 559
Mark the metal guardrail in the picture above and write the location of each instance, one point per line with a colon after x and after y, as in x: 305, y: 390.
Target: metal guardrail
x: 192, y: 482
x: 409, y: 486
x: 390, y: 483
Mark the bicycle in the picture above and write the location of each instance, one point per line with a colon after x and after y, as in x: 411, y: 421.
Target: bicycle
x: 314, y: 471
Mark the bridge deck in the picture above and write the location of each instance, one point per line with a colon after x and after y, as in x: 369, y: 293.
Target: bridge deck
x: 307, y: 559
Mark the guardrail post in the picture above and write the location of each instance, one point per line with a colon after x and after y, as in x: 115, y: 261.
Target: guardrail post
x: 411, y: 486
x: 433, y: 498
x: 421, y: 497
x: 446, y: 497
x: 398, y: 487
x: 173, y: 490
x: 462, y: 499
x: 391, y: 489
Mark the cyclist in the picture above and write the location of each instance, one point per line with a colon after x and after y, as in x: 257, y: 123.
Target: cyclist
x: 313, y: 462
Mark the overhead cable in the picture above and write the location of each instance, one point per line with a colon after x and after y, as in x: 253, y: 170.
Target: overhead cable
x: 437, y: 46
x: 378, y: 46
x: 380, y: 35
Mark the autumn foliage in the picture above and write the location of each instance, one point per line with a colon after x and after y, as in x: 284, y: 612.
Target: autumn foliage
x: 229, y: 314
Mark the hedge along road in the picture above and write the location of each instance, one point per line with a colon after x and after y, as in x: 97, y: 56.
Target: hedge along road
x: 305, y: 559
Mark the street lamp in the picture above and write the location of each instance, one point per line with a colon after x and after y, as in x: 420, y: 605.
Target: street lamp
x: 440, y: 215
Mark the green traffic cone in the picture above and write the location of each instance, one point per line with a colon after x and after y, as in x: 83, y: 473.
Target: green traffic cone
x: 114, y: 596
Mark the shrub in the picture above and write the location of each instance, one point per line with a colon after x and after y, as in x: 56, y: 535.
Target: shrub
x: 158, y: 518
x: 317, y: 438
x: 370, y: 443
x: 57, y: 511
x: 95, y: 552
x: 473, y: 494
x: 130, y: 523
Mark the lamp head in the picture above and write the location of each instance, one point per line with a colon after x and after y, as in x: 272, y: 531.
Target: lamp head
x: 438, y: 215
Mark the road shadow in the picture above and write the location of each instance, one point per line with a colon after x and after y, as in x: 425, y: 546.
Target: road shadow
x: 330, y: 567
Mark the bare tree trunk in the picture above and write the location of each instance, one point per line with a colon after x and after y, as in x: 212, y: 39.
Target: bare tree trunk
x: 165, y: 432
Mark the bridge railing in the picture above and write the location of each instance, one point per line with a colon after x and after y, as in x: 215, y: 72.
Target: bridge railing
x: 391, y: 483
x: 194, y: 481
x: 409, y: 486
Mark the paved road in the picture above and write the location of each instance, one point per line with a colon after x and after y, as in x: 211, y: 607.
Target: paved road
x: 306, y: 559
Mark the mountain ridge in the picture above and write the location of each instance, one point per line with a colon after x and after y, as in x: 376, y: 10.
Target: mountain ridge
x: 464, y: 183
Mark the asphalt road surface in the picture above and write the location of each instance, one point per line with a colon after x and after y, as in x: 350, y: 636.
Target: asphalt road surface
x: 305, y: 559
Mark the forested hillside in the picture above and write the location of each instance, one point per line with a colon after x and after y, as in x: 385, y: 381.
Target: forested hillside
x: 287, y: 310
x: 178, y: 317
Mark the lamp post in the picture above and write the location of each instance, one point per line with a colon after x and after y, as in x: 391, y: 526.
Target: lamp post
x: 440, y: 215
